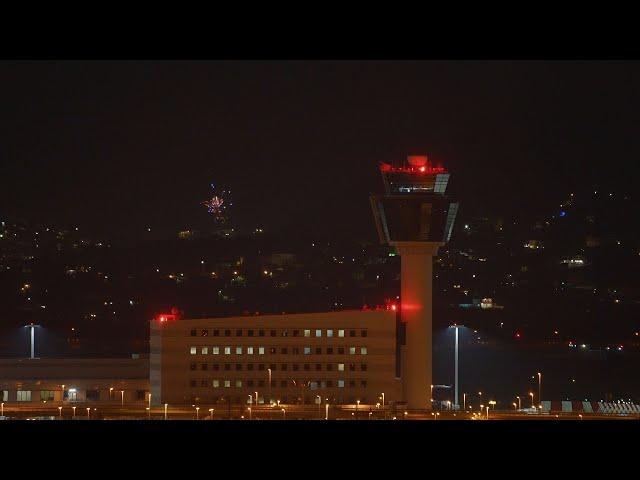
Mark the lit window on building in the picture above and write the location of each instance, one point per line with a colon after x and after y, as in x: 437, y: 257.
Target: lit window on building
x: 329, y: 333
x: 193, y: 350
x: 249, y: 350
x: 307, y: 350
x: 227, y: 383
x: 260, y: 350
x: 341, y: 333
x: 215, y: 350
x: 363, y: 350
x: 238, y: 350
x: 46, y: 395
x: 340, y: 383
x: 216, y: 383
x: 205, y: 350
x: 341, y: 367
x: 352, y: 350
x: 307, y: 333
x: 238, y: 383
x: 227, y: 350
x: 318, y: 333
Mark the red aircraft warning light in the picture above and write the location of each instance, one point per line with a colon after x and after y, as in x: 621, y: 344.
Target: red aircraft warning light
x: 165, y: 317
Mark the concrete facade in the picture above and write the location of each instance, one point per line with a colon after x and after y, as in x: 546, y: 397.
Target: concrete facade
x: 85, y: 380
x: 341, y: 356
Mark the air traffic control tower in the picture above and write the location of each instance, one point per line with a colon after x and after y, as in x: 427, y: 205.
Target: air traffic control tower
x: 415, y: 216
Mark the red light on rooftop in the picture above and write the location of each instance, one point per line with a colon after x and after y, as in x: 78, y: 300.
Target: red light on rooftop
x: 393, y: 307
x: 517, y: 334
x: 163, y: 317
x: 422, y: 169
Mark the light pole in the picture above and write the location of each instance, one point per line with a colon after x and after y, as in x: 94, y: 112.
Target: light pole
x: 62, y: 394
x: 59, y: 411
x: 514, y: 405
x: 269, y: 370
x: 122, y: 393
x: 32, y: 327
x: 284, y: 414
x: 198, y: 411
x: 519, y: 403
x: 326, y: 411
x: 74, y: 412
x: 165, y: 410
x: 431, y: 397
x: 531, y: 393
x: 256, y: 398
x: 110, y: 392
x: 249, y: 413
x: 88, y: 413
x: 211, y: 413
x: 480, y: 400
x: 148, y: 413
x: 357, y: 405
x: 464, y: 402
x: 540, y: 388
x: 455, y: 399
x: 385, y: 412
x: 319, y: 406
x: 2, y: 411
x: 487, y: 412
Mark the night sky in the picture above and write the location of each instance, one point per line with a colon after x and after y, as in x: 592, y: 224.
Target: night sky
x: 116, y: 147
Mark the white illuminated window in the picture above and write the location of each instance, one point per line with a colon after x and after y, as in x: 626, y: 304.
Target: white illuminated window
x: 307, y: 333
x: 215, y: 350
x: 205, y: 350
x: 329, y: 333
x: 318, y: 333
x: 227, y: 383
x: 249, y: 350
x: 341, y: 333
x: 227, y: 350
x: 341, y: 367
x: 193, y: 350
x: 216, y: 383
x: 352, y: 350
x: 363, y: 350
x: 24, y: 395
x: 340, y: 383
x: 238, y: 383
x: 307, y: 350
x: 238, y: 350
x: 260, y: 350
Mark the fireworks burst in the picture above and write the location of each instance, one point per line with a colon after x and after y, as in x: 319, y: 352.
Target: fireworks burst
x: 218, y: 204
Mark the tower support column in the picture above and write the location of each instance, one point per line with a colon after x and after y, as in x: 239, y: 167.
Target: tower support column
x: 416, y: 312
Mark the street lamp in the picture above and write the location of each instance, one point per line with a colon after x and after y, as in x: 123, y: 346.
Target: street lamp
x: 357, y: 405
x: 464, y: 402
x: 269, y: 370
x: 197, y: 412
x: 487, y: 412
x: 480, y: 399
x: 165, y: 410
x: 249, y: 413
x: 540, y: 388
x: 59, y: 411
x: 110, y: 392
x: 284, y: 414
x: 211, y: 413
x: 88, y: 412
x: 148, y: 413
x: 256, y: 398
x: 519, y: 403
x: 326, y: 410
x: 531, y: 393
x: 514, y: 405
x: 122, y: 393
x: 74, y: 412
x: 32, y: 327
x: 431, y: 397
x: 2, y: 409
x: 455, y: 399
x: 319, y: 405
x: 62, y: 394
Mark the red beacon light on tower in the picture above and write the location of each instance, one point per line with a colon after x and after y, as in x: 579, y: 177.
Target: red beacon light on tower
x: 165, y: 317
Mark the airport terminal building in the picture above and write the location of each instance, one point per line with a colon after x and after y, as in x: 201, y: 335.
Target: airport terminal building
x: 342, y: 356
